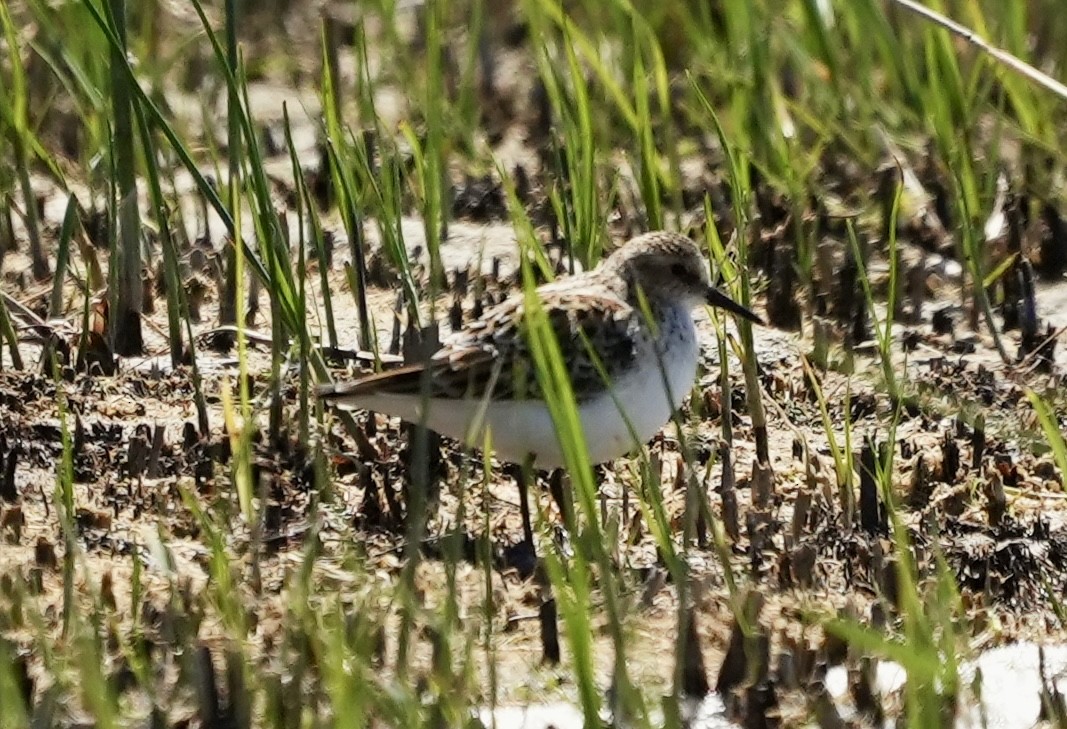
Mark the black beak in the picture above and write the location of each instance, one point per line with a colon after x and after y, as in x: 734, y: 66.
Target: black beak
x: 720, y: 300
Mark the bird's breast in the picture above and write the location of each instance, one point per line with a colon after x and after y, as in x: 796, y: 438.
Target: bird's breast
x: 658, y: 382
x: 677, y: 354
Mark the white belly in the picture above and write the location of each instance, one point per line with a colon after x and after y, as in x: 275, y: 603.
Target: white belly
x: 648, y: 396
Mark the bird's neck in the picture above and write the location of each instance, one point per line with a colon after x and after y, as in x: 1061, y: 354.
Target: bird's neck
x: 664, y: 311
x: 624, y: 282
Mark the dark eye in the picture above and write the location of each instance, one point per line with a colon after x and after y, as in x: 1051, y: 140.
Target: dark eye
x: 680, y: 271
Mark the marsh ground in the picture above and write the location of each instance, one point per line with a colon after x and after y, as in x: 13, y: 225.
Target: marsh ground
x: 193, y: 603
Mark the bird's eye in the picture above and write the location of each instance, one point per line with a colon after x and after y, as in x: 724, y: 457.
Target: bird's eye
x: 679, y: 271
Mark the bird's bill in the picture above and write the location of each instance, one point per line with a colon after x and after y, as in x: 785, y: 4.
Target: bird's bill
x: 720, y: 300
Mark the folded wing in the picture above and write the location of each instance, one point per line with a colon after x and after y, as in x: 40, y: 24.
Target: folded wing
x: 491, y: 356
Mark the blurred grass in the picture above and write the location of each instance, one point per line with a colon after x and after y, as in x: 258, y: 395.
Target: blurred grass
x: 769, y: 93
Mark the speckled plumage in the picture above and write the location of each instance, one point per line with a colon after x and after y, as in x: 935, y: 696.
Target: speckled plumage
x: 598, y: 311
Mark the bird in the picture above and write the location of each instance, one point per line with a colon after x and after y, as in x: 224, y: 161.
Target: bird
x: 627, y: 339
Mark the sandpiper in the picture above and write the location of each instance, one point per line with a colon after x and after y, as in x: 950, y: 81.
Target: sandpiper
x: 482, y: 377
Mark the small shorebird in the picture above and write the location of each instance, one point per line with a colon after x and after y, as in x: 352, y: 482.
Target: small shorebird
x: 482, y: 377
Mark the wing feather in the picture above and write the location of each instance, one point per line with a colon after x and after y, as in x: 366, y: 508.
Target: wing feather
x: 493, y: 352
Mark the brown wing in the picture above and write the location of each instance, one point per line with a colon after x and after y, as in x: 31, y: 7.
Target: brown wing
x: 492, y: 354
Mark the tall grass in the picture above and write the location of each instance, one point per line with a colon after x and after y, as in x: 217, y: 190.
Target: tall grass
x: 16, y: 127
x: 764, y: 96
x: 126, y: 279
